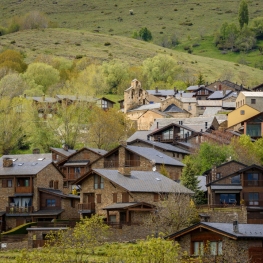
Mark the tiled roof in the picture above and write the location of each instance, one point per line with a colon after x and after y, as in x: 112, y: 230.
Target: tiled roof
x: 153, y: 154
x: 144, y: 181
x: 29, y: 164
x: 77, y: 98
x: 165, y: 146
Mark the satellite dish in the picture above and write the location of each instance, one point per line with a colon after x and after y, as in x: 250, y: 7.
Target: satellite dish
x: 154, y: 168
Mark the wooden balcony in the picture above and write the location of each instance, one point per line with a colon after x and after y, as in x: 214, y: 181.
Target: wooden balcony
x: 86, y: 207
x: 132, y: 163
x: 111, y: 164
x: 119, y: 225
x: 23, y: 189
x: 19, y: 209
x: 253, y: 183
x: 73, y: 176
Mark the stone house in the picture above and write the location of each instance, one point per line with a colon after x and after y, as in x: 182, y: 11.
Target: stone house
x: 140, y: 159
x: 59, y: 154
x: 166, y: 148
x: 77, y: 164
x: 124, y: 196
x: 227, y: 242
x: 32, y: 190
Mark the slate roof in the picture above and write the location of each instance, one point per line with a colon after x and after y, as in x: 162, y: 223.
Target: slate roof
x: 211, y: 111
x: 184, y: 95
x: 98, y: 151
x: 219, y: 94
x: 144, y: 181
x: 164, y: 146
x: 77, y: 98
x: 40, y: 99
x: 193, y: 88
x: 46, y: 212
x: 229, y: 104
x: 63, y: 152
x: 245, y: 231
x: 253, y: 94
x: 57, y: 193
x: 195, y: 123
x: 147, y: 107
x: 139, y: 135
x: 161, y: 92
x: 187, y: 100
x: 209, y: 103
x: 234, y: 85
x: 126, y: 205
x: 173, y: 108
x: 153, y: 154
x: 28, y: 164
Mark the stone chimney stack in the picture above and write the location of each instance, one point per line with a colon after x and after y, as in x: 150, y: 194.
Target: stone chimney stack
x: 36, y: 151
x: 43, y: 97
x: 7, y: 162
x: 156, y: 89
x: 65, y: 147
x: 126, y: 171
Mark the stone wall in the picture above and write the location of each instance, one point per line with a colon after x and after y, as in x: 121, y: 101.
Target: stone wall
x: 15, y: 245
x: 85, y: 154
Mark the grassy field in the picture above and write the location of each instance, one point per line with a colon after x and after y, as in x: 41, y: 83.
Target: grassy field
x: 186, y: 18
x: 69, y: 43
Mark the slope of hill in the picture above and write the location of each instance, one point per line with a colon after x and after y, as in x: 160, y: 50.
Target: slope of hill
x: 72, y: 43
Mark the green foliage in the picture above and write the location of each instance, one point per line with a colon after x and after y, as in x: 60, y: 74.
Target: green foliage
x: 153, y: 250
x: 246, y: 39
x: 257, y: 27
x: 19, y: 229
x: 145, y: 34
x: 200, y: 79
x: 41, y: 74
x: 164, y: 171
x: 243, y: 15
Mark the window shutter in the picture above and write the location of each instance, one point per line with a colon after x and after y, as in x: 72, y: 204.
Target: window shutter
x: 155, y: 197
x: 114, y: 197
x: 4, y: 183
x: 56, y: 185
x: 125, y: 197
x: 98, y: 198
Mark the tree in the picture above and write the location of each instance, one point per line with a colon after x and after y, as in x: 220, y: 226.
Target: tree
x: 41, y: 74
x: 243, y: 15
x: 175, y: 212
x: 34, y: 20
x: 145, y: 34
x: 70, y: 245
x: 108, y: 128
x: 200, y: 79
x: 257, y: 27
x: 246, y: 39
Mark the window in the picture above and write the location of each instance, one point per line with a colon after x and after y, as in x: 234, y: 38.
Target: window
x: 218, y: 175
x: 228, y: 198
x: 98, y: 182
x: 7, y: 183
x: 112, y: 218
x: 253, y: 198
x: 51, y: 202
x: 252, y: 179
x: 215, y: 248
x: 242, y: 112
x: 51, y: 184
x: 155, y: 197
x: 104, y: 104
x: 77, y: 171
x: 253, y: 101
x: 98, y: 198
x: 236, y: 179
x: 198, y: 248
x: 55, y: 184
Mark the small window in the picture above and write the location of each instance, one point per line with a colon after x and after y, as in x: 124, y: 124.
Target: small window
x: 56, y: 185
x: 125, y: 197
x: 9, y: 183
x: 218, y: 175
x: 51, y: 202
x: 65, y: 184
x: 114, y: 196
x: 51, y: 184
x: 155, y: 197
x: 253, y: 101
x: 242, y: 112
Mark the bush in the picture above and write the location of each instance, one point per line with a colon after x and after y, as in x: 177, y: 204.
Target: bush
x: 79, y: 56
x: 107, y: 44
x: 145, y: 34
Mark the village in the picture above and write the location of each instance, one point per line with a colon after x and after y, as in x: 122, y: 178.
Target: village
x: 127, y: 185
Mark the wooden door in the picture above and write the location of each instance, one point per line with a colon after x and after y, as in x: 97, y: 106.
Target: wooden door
x: 256, y: 254
x: 91, y: 198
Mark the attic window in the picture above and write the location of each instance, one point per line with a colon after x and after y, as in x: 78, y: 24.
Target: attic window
x: 14, y: 159
x: 41, y: 159
x: 20, y: 164
x: 34, y: 164
x: 158, y: 179
x: 242, y: 112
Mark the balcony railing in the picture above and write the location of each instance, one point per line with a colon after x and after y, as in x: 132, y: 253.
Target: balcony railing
x: 111, y: 164
x: 119, y: 225
x: 86, y: 206
x: 219, y: 206
x: 253, y: 183
x: 132, y: 163
x: 19, y: 209
x: 23, y: 189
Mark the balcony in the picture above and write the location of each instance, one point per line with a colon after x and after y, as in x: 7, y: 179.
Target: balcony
x: 253, y: 183
x: 86, y: 207
x: 111, y: 164
x: 19, y: 209
x: 73, y: 176
x: 132, y: 163
x: 23, y: 190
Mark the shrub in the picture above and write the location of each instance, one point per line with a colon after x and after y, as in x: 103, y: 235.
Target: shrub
x: 107, y: 44
x: 79, y: 56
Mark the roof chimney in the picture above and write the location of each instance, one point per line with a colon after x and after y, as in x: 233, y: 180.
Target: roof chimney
x: 43, y: 97
x: 156, y: 89
x: 65, y: 147
x: 126, y: 171
x: 7, y: 162
x: 235, y: 226
x: 36, y: 151
x: 175, y: 90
